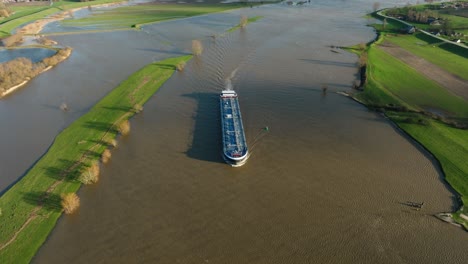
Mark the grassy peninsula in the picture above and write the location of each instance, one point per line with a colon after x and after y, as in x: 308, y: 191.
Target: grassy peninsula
x: 32, y: 206
x: 137, y: 15
x: 427, y: 110
x: 27, y: 14
x: 30, y: 209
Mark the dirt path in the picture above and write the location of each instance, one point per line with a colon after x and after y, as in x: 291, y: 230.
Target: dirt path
x: 449, y: 81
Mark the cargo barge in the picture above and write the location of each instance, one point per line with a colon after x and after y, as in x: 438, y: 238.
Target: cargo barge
x: 235, y: 150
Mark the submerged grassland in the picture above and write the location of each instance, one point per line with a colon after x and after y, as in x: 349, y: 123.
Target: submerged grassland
x: 244, y: 23
x: 31, y: 207
x: 435, y: 51
x: 137, y: 15
x: 27, y: 14
x: 424, y: 109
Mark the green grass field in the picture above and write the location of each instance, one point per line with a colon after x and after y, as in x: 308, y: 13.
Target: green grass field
x: 401, y: 84
x: 30, y: 209
x: 391, y: 82
x: 73, y: 150
x: 134, y: 16
x: 430, y: 50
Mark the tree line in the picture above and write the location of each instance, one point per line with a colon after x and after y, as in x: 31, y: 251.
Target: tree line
x: 19, y: 70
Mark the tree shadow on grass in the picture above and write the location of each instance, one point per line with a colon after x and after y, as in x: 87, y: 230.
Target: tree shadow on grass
x: 101, y: 126
x: 49, y: 201
x: 61, y: 172
x: 178, y: 53
x: 428, y: 39
x: 119, y: 108
x: 91, y: 153
x: 102, y: 142
x: 460, y: 51
x: 165, y: 66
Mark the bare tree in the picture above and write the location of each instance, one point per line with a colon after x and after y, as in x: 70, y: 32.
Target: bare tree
x: 91, y: 174
x: 4, y: 10
x: 197, y: 47
x: 180, y: 66
x: 124, y: 128
x: 362, y: 46
x: 70, y: 202
x: 243, y: 21
x: 106, y: 155
x: 363, y: 59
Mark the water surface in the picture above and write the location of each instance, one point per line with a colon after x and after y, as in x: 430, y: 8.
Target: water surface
x: 326, y: 184
x: 34, y: 54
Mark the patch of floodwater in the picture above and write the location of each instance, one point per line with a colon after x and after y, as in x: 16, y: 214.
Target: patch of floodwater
x: 34, y: 54
x: 92, y: 71
x: 319, y: 158
x: 60, y: 26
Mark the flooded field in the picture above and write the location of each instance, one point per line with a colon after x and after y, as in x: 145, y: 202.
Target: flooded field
x: 326, y: 184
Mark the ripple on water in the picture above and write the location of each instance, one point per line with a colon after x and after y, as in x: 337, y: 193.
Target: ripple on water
x: 34, y: 54
x: 325, y: 185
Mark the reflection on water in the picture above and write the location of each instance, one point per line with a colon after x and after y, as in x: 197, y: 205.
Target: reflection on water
x: 34, y: 54
x: 326, y: 184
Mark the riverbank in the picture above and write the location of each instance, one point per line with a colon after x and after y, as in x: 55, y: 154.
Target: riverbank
x: 33, y: 25
x: 32, y: 206
x: 27, y: 14
x: 426, y: 111
x: 135, y: 16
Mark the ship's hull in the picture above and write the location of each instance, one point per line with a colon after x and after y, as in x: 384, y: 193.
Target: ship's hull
x: 235, y: 151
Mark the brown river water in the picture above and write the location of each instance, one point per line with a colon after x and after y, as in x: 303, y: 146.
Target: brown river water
x: 326, y: 184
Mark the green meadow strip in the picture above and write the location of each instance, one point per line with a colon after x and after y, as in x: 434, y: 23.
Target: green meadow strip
x: 391, y: 83
x: 435, y: 52
x: 136, y: 16
x: 30, y: 209
x: 9, y: 26
x: 249, y: 20
x: 28, y: 14
x: 416, y: 90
